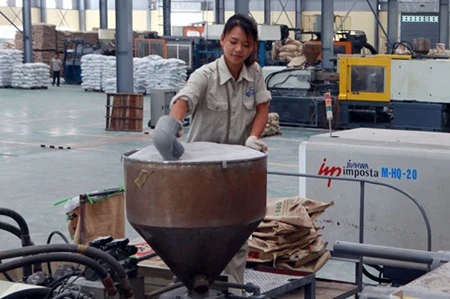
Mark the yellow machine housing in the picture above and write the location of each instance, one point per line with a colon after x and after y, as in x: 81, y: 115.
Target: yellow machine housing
x: 366, y: 78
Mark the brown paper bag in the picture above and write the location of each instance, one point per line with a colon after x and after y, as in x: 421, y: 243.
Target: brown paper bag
x: 290, y: 211
x: 103, y: 217
x: 311, y: 267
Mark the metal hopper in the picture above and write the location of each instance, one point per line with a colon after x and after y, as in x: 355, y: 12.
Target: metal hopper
x: 198, y: 211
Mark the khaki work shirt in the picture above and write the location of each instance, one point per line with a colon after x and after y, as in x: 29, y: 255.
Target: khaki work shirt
x: 222, y: 108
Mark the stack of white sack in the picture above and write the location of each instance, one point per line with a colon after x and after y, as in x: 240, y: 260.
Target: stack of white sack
x: 31, y: 75
x: 138, y: 86
x: 109, y: 82
x: 145, y: 75
x: 7, y: 63
x: 91, y: 71
x: 171, y: 72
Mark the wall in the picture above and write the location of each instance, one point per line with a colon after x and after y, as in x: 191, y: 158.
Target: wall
x: 6, y: 30
x: 358, y: 20
x: 63, y: 19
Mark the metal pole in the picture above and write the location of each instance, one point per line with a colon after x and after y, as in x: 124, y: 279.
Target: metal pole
x: 444, y: 22
x: 327, y: 24
x: 298, y: 13
x: 149, y: 15
x: 346, y: 15
x: 11, y: 22
x: 82, y: 15
x: 27, y: 37
x: 43, y: 11
x: 359, y: 265
x: 167, y: 4
x: 219, y: 11
x: 124, y: 46
x: 378, y: 20
x: 241, y: 6
x: 392, y: 24
x: 104, y: 14
x: 400, y: 254
x: 376, y: 31
x: 267, y: 12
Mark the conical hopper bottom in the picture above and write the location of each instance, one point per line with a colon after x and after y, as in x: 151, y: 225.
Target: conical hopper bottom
x: 312, y: 51
x: 196, y: 253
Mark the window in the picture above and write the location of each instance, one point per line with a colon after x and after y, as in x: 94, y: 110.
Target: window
x: 51, y: 3
x: 67, y: 4
x: 368, y: 78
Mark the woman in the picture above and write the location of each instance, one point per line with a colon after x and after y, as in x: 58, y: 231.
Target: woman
x: 227, y: 98
x: 228, y: 101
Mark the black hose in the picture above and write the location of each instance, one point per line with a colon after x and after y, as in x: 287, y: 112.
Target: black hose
x: 8, y: 277
x: 49, y: 239
x: 34, y: 293
x: 16, y: 232
x: 56, y: 257
x: 82, y: 249
x: 370, y: 48
x: 56, y: 282
x: 374, y: 278
x: 24, y: 235
x: 64, y: 257
x: 11, y: 229
x: 25, y: 232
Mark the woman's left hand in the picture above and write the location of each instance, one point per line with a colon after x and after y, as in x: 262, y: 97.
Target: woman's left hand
x: 256, y: 144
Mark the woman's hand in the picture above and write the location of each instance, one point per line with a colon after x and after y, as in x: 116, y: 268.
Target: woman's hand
x: 256, y: 144
x: 165, y: 138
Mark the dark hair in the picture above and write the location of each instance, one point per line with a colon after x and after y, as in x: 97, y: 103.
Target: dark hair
x: 249, y: 26
x: 284, y: 31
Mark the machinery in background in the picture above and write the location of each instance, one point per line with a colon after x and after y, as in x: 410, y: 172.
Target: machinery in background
x: 394, y: 91
x: 298, y: 94
x: 383, y: 91
x: 346, y: 42
x: 74, y: 49
x: 199, y: 50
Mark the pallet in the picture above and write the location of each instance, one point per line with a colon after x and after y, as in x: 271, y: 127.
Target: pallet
x: 29, y: 88
x: 93, y: 90
x: 4, y: 87
x: 124, y: 112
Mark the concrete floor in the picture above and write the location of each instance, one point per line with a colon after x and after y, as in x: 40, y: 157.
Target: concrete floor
x: 33, y: 178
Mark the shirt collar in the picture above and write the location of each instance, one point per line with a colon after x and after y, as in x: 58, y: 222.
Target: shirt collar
x: 225, y: 74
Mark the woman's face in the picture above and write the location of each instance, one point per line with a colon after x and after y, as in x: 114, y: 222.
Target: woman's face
x: 237, y: 46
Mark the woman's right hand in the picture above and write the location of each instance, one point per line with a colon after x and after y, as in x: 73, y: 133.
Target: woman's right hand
x: 165, y: 137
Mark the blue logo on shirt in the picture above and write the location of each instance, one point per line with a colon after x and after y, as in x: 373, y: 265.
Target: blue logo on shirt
x: 250, y: 92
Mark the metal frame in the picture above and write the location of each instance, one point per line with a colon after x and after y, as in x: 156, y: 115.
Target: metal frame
x: 283, y: 10
x: 363, y: 182
x: 63, y: 18
x: 149, y: 41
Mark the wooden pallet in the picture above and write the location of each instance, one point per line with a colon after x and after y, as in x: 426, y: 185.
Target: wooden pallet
x: 93, y: 90
x: 34, y: 87
x: 124, y: 112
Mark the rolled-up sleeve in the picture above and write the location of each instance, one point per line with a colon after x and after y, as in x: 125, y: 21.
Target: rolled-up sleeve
x: 194, y: 90
x: 262, y: 95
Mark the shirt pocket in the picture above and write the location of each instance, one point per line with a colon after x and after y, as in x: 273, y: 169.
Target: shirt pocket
x: 215, y: 102
x: 249, y: 98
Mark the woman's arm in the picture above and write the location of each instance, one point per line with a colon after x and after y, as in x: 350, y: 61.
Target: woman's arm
x: 179, y: 109
x: 260, y: 121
